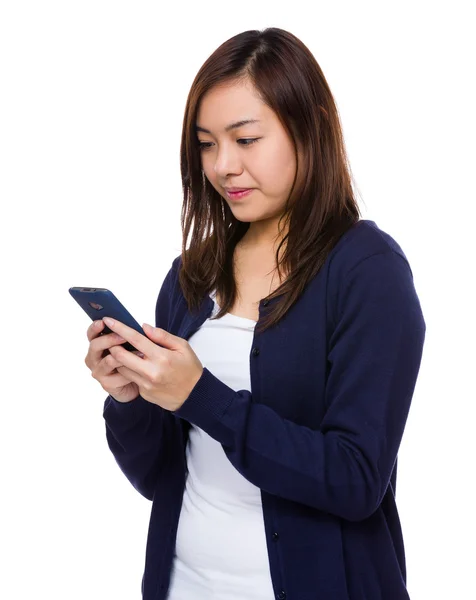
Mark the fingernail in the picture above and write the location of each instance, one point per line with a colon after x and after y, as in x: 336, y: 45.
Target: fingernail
x: 108, y: 321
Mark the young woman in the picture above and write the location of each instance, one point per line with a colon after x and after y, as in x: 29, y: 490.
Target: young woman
x: 263, y: 413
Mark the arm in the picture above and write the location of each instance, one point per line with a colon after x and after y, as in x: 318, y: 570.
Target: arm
x: 137, y: 431
x: 374, y: 355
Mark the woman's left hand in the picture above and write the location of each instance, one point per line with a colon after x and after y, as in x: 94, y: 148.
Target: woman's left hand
x: 166, y: 374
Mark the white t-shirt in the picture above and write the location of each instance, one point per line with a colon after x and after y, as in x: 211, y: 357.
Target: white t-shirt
x: 221, y: 551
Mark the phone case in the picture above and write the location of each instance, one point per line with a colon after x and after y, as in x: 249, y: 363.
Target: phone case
x: 101, y: 302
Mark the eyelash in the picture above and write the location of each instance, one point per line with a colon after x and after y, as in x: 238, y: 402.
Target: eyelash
x: 204, y: 145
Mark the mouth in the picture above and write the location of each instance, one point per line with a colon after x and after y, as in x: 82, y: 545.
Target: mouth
x: 236, y: 194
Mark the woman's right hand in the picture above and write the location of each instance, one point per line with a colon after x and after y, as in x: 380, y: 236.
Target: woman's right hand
x: 103, y: 368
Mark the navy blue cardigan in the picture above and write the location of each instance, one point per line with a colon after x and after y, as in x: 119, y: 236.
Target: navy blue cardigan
x: 319, y: 433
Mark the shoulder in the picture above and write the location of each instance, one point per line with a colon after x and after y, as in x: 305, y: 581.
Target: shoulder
x: 367, y: 267
x: 171, y: 281
x: 363, y: 241
x: 369, y: 277
x: 177, y: 263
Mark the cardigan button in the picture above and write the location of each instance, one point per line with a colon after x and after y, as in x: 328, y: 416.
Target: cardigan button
x: 255, y: 351
x: 265, y: 302
x: 282, y: 595
x: 275, y: 537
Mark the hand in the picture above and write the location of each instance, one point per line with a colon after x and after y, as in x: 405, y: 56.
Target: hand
x: 166, y: 373
x: 104, y: 368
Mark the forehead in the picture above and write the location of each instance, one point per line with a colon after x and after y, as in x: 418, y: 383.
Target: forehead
x: 224, y: 104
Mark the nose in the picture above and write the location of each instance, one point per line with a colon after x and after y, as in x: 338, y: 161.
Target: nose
x: 227, y: 163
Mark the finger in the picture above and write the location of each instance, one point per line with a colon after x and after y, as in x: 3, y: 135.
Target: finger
x: 94, y: 329
x: 98, y: 345
x: 109, y: 376
x: 106, y: 366
x: 109, y: 364
x: 132, y: 361
x: 106, y: 372
x: 139, y: 341
x: 133, y: 376
x: 114, y: 381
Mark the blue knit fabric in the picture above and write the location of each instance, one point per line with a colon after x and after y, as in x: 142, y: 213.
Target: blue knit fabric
x: 319, y: 433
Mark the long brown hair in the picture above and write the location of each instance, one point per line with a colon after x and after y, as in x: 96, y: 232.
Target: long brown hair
x: 321, y: 206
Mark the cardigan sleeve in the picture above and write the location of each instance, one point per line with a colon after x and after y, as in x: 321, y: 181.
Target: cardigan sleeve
x: 374, y: 357
x: 137, y: 432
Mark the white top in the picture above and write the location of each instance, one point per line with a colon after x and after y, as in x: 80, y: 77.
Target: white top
x: 221, y: 551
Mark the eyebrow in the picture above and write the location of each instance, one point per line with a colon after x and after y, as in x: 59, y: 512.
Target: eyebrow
x: 235, y: 125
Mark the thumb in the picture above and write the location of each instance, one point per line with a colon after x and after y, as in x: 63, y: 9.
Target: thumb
x: 161, y: 336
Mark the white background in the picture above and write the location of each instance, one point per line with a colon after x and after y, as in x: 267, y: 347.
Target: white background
x: 91, y: 105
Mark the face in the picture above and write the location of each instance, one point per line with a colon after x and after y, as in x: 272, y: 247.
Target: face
x: 258, y: 156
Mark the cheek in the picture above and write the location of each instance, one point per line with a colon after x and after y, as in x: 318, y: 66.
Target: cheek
x: 276, y: 171
x: 207, y: 167
x: 210, y: 175
x: 283, y: 155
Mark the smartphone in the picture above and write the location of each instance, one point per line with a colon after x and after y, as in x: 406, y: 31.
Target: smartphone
x: 101, y: 302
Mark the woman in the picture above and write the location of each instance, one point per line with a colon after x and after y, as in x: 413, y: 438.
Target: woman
x: 264, y: 412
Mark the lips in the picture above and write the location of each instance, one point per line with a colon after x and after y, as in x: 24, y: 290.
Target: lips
x: 240, y: 193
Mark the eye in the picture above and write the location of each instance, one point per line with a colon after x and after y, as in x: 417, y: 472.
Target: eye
x: 248, y: 141
x: 241, y: 141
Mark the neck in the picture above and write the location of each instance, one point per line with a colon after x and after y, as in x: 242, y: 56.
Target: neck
x: 261, y: 238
